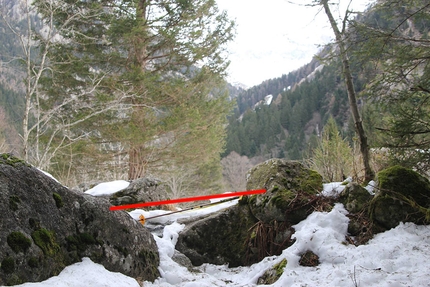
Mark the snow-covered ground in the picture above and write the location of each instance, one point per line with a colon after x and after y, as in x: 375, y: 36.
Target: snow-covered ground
x: 398, y: 257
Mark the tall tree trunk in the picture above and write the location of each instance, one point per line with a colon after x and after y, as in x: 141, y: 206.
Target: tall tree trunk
x: 364, y: 147
x: 136, y: 156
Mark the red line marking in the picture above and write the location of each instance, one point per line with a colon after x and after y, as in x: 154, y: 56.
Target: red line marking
x: 187, y: 199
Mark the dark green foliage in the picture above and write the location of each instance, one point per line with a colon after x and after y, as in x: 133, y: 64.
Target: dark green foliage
x: 18, y: 242
x: 8, y: 265
x: 58, y: 200
x: 392, y: 39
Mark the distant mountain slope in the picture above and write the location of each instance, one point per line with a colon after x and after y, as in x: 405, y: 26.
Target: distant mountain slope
x: 303, y: 100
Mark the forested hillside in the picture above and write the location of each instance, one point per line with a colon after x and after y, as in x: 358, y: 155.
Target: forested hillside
x: 298, y: 113
x: 387, y: 47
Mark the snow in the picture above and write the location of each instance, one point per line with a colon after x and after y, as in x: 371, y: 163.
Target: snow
x: 268, y: 100
x: 107, y: 188
x: 397, y: 257
x: 85, y: 274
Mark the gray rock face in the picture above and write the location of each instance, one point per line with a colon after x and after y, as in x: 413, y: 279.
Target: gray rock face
x: 44, y: 227
x: 140, y: 190
x: 219, y: 238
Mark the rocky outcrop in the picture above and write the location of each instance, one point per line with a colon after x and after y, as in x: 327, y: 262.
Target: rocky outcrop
x: 140, y: 190
x: 219, y: 238
x: 402, y: 195
x: 44, y: 227
x: 259, y: 225
x: 290, y: 189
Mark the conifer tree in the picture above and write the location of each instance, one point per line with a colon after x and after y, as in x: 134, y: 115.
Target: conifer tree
x: 393, y: 39
x: 156, y: 66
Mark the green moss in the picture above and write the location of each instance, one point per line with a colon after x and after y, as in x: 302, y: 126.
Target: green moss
x: 14, y: 201
x: 18, y: 242
x: 58, y: 200
x: 273, y: 274
x: 406, y: 182
x: 8, y: 265
x: 404, y: 195
x: 11, y: 160
x: 79, y: 242
x: 312, y: 183
x: 45, y: 239
x: 283, y: 198
x: 279, y: 268
x: 33, y: 262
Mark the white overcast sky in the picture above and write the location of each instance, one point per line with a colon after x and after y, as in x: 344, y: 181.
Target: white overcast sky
x: 275, y: 37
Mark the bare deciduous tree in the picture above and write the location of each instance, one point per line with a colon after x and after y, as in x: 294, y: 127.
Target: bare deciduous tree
x: 235, y: 168
x: 341, y: 44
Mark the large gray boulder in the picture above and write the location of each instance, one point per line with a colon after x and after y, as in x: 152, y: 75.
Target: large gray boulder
x: 44, y: 227
x: 290, y: 189
x: 219, y: 238
x: 140, y: 190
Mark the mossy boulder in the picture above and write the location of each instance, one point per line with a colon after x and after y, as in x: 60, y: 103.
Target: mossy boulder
x: 402, y: 195
x: 46, y: 226
x: 355, y: 198
x: 289, y: 188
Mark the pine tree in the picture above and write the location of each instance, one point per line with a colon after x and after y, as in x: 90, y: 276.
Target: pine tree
x: 145, y: 55
x: 393, y: 39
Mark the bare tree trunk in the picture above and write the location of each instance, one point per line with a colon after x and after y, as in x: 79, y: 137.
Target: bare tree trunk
x: 136, y: 165
x: 364, y: 147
